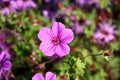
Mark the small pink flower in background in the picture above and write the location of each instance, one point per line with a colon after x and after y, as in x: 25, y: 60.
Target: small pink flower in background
x: 55, y: 40
x: 105, y: 33
x: 7, y: 7
x: 48, y: 76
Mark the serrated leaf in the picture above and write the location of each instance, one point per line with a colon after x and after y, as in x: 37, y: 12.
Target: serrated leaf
x: 80, y: 67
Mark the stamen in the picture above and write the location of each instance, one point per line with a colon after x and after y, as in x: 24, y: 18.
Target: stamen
x: 55, y: 40
x: 105, y: 32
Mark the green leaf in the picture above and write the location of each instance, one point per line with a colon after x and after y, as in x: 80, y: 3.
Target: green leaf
x: 80, y: 67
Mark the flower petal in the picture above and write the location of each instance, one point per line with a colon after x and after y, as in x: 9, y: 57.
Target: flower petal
x: 3, y: 55
x: 38, y: 76
x: 62, y: 50
x: 50, y: 76
x: 57, y: 28
x: 47, y: 48
x: 67, y: 36
x: 44, y: 34
x: 7, y: 65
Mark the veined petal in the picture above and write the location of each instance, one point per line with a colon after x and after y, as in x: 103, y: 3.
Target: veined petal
x: 47, y: 48
x: 38, y: 76
x: 62, y: 50
x: 50, y: 76
x: 57, y: 28
x: 44, y: 34
x: 7, y: 65
x: 67, y: 36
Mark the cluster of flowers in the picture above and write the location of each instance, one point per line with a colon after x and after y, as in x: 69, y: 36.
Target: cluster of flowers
x: 104, y: 33
x: 55, y: 39
x: 9, y: 6
x: 5, y: 57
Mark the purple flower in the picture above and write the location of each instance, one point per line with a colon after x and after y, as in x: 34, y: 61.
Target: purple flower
x: 25, y: 4
x: 4, y: 45
x: 50, y: 8
x: 55, y: 40
x: 48, y: 76
x: 105, y: 33
x: 8, y: 7
x: 77, y: 26
x: 5, y: 64
x: 94, y: 3
x: 80, y: 2
x: 48, y: 13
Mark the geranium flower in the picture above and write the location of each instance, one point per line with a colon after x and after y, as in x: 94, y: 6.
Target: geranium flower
x: 55, y: 40
x: 5, y: 65
x: 8, y: 7
x: 105, y: 33
x: 48, y: 76
x: 25, y: 4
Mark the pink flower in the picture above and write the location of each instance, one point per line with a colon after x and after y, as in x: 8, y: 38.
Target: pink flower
x: 55, y: 40
x: 48, y: 76
x: 105, y: 33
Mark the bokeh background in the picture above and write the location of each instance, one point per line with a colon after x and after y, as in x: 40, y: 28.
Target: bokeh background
x: 95, y: 50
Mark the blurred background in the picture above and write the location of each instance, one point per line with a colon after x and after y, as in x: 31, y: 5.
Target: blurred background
x: 95, y: 50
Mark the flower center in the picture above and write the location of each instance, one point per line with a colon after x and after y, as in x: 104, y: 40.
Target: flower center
x: 105, y: 32
x: 25, y: 0
x: 55, y: 40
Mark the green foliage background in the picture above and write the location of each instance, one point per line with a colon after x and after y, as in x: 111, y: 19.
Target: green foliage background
x: 86, y: 60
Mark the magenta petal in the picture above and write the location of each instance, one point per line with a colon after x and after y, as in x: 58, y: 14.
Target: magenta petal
x: 2, y: 55
x: 62, y: 50
x: 6, y: 65
x: 47, y: 48
x: 32, y: 4
x: 5, y: 11
x: 57, y: 28
x: 50, y: 76
x: 44, y: 34
x: 37, y: 76
x: 67, y: 36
